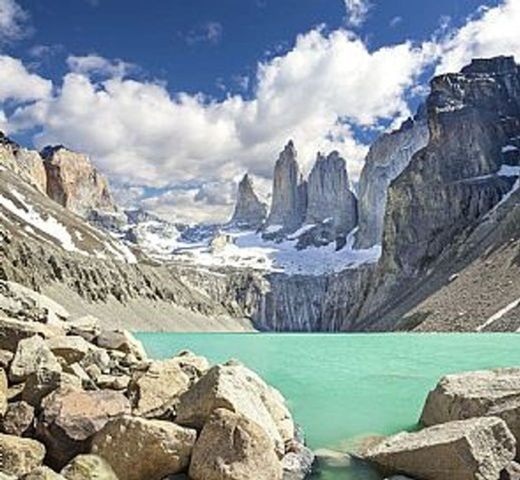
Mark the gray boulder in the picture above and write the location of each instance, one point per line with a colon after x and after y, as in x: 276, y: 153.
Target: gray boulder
x: 475, y: 449
x: 18, y: 420
x: 19, y: 456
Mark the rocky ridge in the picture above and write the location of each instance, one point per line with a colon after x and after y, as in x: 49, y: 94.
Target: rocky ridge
x: 80, y: 401
x: 249, y: 212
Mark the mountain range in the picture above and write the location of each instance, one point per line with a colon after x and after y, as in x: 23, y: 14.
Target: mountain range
x: 429, y: 240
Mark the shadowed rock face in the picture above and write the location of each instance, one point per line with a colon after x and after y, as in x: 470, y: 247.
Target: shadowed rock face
x: 289, y: 191
x: 249, y: 212
x: 387, y: 158
x: 74, y: 183
x: 329, y: 195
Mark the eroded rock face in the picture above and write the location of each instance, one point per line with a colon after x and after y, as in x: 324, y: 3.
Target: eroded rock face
x: 152, y: 449
x: 289, y: 201
x: 476, y: 449
x: 233, y: 447
x: 249, y: 212
x: 74, y: 183
x: 387, y: 158
x: 26, y: 163
x: 475, y: 394
x: 329, y: 195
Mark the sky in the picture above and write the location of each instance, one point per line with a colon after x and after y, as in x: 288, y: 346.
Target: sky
x: 174, y: 100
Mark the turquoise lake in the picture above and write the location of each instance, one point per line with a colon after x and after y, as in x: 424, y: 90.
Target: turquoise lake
x: 342, y: 387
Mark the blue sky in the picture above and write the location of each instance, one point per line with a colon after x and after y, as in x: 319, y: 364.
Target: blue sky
x: 174, y: 100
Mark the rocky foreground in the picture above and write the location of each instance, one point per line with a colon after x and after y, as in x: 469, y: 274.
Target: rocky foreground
x: 78, y: 402
x: 472, y: 430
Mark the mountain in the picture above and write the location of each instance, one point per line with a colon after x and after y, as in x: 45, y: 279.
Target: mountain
x: 432, y: 244
x: 249, y: 212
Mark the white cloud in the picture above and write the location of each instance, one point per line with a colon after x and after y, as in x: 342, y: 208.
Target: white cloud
x: 20, y: 85
x: 13, y: 20
x: 494, y: 31
x: 93, y: 64
x: 357, y: 11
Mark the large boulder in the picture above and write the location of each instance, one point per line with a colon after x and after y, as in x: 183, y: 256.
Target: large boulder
x: 12, y: 331
x: 88, y: 327
x: 18, y: 419
x: 31, y: 355
x: 156, y: 391
x: 475, y: 449
x: 152, y: 449
x: 240, y: 390
x: 232, y: 447
x: 71, y: 348
x: 89, y: 467
x: 475, y: 394
x: 121, y: 340
x: 70, y: 418
x: 42, y: 382
x: 19, y: 456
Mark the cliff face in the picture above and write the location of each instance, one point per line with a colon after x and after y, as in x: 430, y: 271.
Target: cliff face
x: 289, y: 192
x: 329, y: 195
x: 249, y: 211
x: 74, y: 183
x: 387, y: 158
x: 25, y: 163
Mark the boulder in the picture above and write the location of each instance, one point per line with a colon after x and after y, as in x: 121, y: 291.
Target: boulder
x: 242, y: 391
x: 42, y: 473
x: 6, y: 357
x: 511, y: 472
x: 19, y: 456
x: 475, y: 394
x: 18, y: 419
x: 32, y: 354
x: 122, y: 341
x: 4, y: 386
x: 113, y: 382
x: 232, y: 447
x: 42, y: 382
x: 479, y: 448
x: 152, y: 449
x: 88, y: 327
x: 155, y: 392
x: 12, y: 331
x: 192, y: 365
x: 71, y: 348
x: 70, y: 418
x: 89, y: 467
x: 298, y: 462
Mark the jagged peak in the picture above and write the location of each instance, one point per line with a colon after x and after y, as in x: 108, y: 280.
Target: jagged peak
x: 48, y: 151
x: 289, y: 152
x: 494, y: 65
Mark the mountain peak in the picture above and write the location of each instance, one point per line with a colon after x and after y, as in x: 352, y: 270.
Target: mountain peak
x: 249, y: 212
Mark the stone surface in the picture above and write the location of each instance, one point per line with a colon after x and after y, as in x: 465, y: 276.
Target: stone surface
x: 42, y: 473
x: 387, y: 158
x: 298, y: 462
x: 18, y: 420
x: 122, y: 341
x: 70, y: 418
x: 289, y: 201
x: 13, y: 330
x: 3, y: 392
x: 156, y: 391
x: 152, y: 449
x: 42, y: 382
x: 31, y: 355
x: 232, y: 447
x: 74, y: 183
x: 237, y: 389
x: 71, y: 348
x: 475, y: 449
x: 19, y: 456
x: 475, y: 394
x: 89, y: 467
x: 249, y: 211
x: 329, y: 194
x: 88, y: 327
x: 6, y: 357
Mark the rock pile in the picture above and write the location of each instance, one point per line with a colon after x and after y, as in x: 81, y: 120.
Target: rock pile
x: 78, y: 402
x: 472, y: 431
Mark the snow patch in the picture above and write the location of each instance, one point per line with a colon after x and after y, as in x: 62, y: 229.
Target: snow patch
x: 509, y: 148
x: 499, y: 315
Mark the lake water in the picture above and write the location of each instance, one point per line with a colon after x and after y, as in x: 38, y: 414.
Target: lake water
x: 343, y: 387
